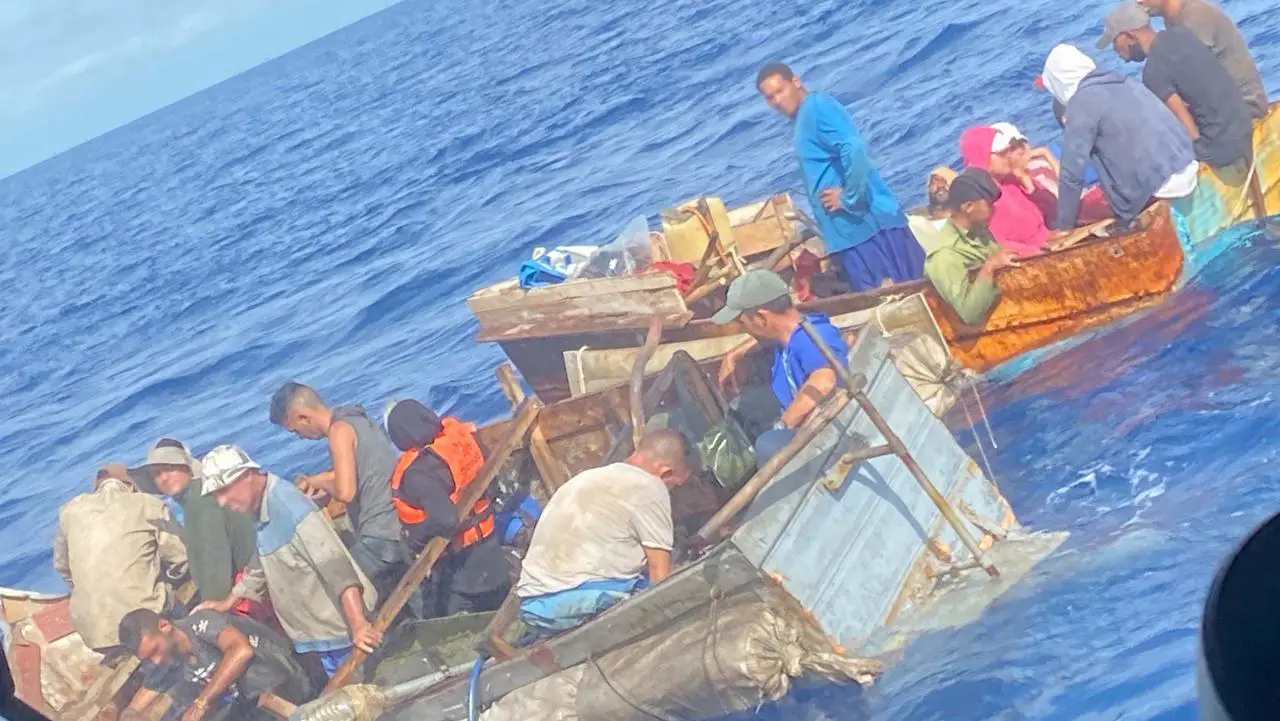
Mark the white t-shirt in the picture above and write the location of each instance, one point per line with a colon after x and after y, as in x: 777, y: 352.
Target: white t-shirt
x: 597, y: 527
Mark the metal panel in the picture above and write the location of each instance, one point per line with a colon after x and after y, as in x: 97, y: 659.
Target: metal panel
x: 847, y: 555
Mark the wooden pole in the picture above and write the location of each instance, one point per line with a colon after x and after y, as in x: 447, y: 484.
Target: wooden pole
x: 813, y: 425
x: 551, y: 472
x: 521, y: 422
x: 637, y: 378
x: 855, y: 385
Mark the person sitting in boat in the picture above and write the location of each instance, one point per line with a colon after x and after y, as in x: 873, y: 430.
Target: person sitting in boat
x: 1138, y: 147
x: 358, y: 479
x: 963, y: 269
x: 605, y: 535
x: 215, y: 655
x: 861, y: 222
x: 439, y: 458
x: 118, y: 550
x: 1215, y: 29
x: 220, y: 544
x: 1017, y: 223
x: 1185, y: 74
x: 801, y: 377
x: 320, y: 595
x: 925, y: 226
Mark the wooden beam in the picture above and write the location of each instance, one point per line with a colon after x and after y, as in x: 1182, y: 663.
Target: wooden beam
x: 524, y: 418
x: 551, y: 472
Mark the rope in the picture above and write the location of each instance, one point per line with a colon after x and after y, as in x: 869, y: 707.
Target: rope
x: 973, y: 385
x: 625, y: 699
x: 582, y: 373
x: 986, y: 462
x: 1248, y: 186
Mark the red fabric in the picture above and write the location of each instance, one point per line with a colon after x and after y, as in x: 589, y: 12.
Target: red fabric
x: 807, y: 265
x: 975, y: 147
x: 1094, y: 206
x: 1017, y: 223
x: 683, y: 272
x: 260, y: 611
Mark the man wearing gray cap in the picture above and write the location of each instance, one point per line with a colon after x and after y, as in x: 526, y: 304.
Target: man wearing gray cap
x: 760, y: 302
x: 1215, y: 29
x: 320, y: 596
x: 220, y: 544
x: 1185, y: 74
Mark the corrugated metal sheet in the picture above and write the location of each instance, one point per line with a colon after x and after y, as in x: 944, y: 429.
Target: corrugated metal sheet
x: 848, y: 555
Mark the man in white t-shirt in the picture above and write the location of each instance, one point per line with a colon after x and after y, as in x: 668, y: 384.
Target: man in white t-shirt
x: 605, y: 535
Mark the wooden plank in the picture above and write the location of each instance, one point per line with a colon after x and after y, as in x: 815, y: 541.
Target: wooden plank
x: 508, y: 294
x: 551, y: 472
x: 583, y: 315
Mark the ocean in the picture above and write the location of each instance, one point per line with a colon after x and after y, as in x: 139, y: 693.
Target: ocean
x: 323, y: 217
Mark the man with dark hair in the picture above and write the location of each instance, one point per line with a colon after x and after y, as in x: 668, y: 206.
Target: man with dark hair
x: 963, y: 267
x: 606, y: 534
x: 1215, y: 29
x: 220, y: 544
x: 861, y: 222
x: 760, y: 302
x: 320, y: 596
x: 359, y: 476
x: 1185, y: 74
x: 440, y: 458
x: 218, y: 655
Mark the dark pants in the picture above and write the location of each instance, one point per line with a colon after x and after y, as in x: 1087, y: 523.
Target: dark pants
x: 892, y: 254
x: 382, y: 560
x: 469, y: 580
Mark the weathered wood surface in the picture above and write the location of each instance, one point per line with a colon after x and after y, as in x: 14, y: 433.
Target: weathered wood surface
x: 1057, y: 295
x: 760, y: 227
x: 577, y: 306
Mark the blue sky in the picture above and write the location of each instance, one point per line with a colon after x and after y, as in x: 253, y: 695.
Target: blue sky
x: 71, y: 70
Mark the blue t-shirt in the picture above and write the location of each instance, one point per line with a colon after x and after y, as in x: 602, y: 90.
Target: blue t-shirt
x: 800, y: 357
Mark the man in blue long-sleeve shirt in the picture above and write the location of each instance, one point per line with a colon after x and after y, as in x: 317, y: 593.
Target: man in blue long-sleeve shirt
x: 862, y: 224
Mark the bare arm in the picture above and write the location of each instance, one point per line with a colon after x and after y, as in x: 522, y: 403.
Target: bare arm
x: 729, y: 363
x: 237, y: 654
x: 816, y: 387
x: 1180, y: 111
x: 363, y: 634
x: 659, y: 560
x: 342, y: 451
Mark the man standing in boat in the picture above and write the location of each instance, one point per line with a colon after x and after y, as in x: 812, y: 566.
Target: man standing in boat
x: 440, y: 458
x: 861, y: 222
x: 1215, y: 29
x: 760, y: 301
x: 320, y: 596
x: 359, y: 477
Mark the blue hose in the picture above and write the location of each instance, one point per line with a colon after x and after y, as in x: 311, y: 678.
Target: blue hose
x: 473, y: 685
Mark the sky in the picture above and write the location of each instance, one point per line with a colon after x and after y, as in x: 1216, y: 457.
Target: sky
x: 71, y: 70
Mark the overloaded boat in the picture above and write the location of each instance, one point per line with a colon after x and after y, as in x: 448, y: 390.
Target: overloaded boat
x: 580, y: 335
x: 803, y: 569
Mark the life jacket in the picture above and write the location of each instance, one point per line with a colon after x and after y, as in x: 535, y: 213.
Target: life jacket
x: 456, y: 445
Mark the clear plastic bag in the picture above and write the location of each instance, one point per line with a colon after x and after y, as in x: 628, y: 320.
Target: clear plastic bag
x: 628, y: 254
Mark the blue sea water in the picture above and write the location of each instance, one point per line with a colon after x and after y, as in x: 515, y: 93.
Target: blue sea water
x: 323, y: 217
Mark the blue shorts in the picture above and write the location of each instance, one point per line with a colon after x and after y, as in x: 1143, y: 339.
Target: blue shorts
x: 333, y: 660
x: 553, y: 613
x: 894, y: 254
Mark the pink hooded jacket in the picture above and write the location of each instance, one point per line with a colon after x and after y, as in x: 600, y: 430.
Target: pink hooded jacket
x: 1016, y: 222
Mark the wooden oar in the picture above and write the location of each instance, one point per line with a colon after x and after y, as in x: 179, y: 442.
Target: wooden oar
x: 521, y: 421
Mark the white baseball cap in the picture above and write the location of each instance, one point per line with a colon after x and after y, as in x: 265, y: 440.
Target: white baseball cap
x: 223, y: 465
x: 1006, y: 134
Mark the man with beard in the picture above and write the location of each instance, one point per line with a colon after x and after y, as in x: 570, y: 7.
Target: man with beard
x: 1185, y: 74
x: 964, y: 266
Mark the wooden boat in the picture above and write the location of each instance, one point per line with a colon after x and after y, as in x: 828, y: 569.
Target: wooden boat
x: 582, y: 335
x: 782, y: 584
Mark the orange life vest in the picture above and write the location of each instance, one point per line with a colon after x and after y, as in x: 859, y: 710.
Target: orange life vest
x: 457, y: 447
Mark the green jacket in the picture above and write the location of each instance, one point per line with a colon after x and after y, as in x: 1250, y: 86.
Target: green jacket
x: 219, y: 543
x: 951, y: 268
